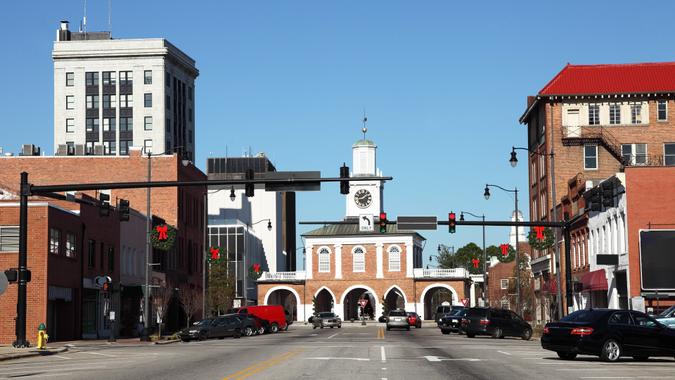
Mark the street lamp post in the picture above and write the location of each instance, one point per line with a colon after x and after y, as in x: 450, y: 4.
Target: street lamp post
x: 485, y: 273
x: 515, y: 191
x: 514, y: 161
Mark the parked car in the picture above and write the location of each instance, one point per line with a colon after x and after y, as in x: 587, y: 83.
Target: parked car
x: 445, y: 309
x: 397, y: 319
x: 250, y: 325
x: 452, y: 322
x: 273, y: 314
x: 224, y: 326
x: 498, y: 323
x: 609, y: 334
x: 326, y: 319
x: 198, y: 330
x: 414, y: 320
x: 667, y: 317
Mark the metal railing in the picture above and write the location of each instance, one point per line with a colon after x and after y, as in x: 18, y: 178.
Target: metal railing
x: 440, y: 273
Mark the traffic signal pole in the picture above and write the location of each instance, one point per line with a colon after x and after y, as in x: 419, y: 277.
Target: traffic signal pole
x: 21, y: 341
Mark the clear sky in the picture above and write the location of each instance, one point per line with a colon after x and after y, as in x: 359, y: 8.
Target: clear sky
x: 443, y: 84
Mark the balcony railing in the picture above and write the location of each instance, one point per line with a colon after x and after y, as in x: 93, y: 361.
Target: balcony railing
x: 458, y: 273
x: 283, y: 276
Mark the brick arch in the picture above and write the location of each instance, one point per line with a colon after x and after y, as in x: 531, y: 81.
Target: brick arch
x: 349, y: 289
x: 386, y: 292
x: 282, y: 287
x: 455, y: 296
x: 328, y: 290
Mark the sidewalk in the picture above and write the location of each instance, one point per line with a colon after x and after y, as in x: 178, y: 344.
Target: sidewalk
x: 7, y: 352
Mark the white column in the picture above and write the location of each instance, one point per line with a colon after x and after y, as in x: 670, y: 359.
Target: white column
x: 379, y: 260
x: 308, y: 261
x: 408, y: 260
x: 338, y: 260
x: 472, y: 294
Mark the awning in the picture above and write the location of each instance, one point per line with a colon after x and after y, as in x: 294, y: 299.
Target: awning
x: 595, y: 280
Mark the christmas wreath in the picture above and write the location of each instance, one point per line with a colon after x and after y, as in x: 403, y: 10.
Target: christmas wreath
x: 508, y: 253
x: 541, y: 238
x: 255, y: 271
x: 216, y: 254
x: 163, y: 237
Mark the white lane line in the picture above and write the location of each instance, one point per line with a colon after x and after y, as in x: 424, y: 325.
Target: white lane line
x: 62, y: 357
x: 383, y: 355
x: 606, y: 377
x: 441, y: 359
x: 333, y: 336
x: 337, y: 358
x: 98, y: 353
x: 504, y: 352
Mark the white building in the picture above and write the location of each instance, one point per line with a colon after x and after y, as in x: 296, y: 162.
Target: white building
x: 112, y: 94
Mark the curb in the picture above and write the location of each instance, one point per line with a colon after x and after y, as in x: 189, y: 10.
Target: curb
x: 28, y: 354
x: 167, y: 341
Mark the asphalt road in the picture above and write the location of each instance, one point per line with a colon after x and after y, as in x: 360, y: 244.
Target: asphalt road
x: 347, y: 353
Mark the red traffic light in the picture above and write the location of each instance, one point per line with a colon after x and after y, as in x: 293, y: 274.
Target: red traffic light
x: 451, y: 222
x: 383, y: 222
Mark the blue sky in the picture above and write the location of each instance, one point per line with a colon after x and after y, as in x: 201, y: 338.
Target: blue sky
x: 443, y: 83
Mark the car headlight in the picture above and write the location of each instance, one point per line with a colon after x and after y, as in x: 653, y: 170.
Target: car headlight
x: 193, y: 331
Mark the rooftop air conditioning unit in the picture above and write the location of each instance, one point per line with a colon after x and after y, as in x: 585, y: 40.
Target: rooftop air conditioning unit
x: 79, y: 150
x: 62, y: 150
x: 98, y: 150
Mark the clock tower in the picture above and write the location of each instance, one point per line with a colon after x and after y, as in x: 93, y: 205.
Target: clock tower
x: 364, y: 197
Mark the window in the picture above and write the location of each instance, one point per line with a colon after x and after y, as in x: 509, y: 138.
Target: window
x: 109, y: 78
x: 91, y: 253
x: 92, y: 125
x: 167, y: 80
x: 394, y: 259
x: 642, y: 320
x: 636, y: 113
x: 147, y: 146
x: 147, y: 98
x: 126, y: 124
x: 590, y: 157
x: 109, y: 101
x: 324, y: 260
x: 168, y: 102
x: 92, y: 101
x: 124, y: 146
x: 91, y: 78
x: 533, y: 171
x: 147, y: 124
x: 147, y: 77
x: 54, y: 240
x: 126, y: 101
x: 504, y: 283
x: 109, y: 124
x: 109, y: 148
x: 71, y: 243
x: 126, y: 77
x: 168, y: 125
x: 669, y: 154
x: 70, y: 79
x: 662, y: 110
x: 634, y: 154
x: 70, y: 102
x: 358, y: 260
x: 593, y: 114
x: 70, y: 125
x: 614, y: 113
x: 9, y: 239
x: 111, y: 259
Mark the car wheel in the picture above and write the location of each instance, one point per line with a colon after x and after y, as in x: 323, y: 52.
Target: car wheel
x: 470, y: 335
x: 640, y: 358
x: 527, y: 334
x: 445, y: 332
x: 201, y: 337
x: 331, y: 327
x: 248, y: 331
x: 237, y: 334
x: 313, y: 327
x: 261, y: 331
x: 497, y: 333
x: 321, y: 327
x: 274, y: 328
x: 286, y: 328
x: 567, y: 355
x: 611, y: 351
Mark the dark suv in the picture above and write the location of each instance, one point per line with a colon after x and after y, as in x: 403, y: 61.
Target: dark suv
x: 498, y: 323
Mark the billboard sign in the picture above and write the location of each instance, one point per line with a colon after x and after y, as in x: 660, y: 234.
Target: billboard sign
x: 657, y: 260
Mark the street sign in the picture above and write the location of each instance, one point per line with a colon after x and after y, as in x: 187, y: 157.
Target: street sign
x: 363, y: 302
x: 236, y: 303
x: 465, y: 301
x: 3, y: 282
x: 305, y: 186
x: 412, y: 223
x: 366, y: 223
x: 112, y: 315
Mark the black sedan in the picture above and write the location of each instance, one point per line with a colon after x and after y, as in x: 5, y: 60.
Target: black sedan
x: 198, y: 331
x: 498, y: 323
x: 452, y: 321
x: 609, y: 334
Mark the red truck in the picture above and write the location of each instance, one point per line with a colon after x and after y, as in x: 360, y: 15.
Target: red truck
x: 273, y: 314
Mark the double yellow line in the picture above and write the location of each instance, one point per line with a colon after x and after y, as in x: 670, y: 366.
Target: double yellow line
x: 380, y: 333
x: 246, y: 372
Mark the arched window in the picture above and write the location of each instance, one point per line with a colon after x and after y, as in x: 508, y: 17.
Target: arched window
x: 394, y: 259
x: 324, y: 260
x: 358, y: 260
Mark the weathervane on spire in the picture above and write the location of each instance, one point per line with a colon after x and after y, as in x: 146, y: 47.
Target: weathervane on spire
x: 365, y: 120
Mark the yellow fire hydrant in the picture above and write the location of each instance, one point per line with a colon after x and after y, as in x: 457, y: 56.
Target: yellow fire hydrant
x: 42, y: 337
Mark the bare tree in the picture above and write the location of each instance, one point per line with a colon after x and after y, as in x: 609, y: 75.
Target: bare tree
x: 161, y: 297
x: 220, y: 291
x: 191, y: 299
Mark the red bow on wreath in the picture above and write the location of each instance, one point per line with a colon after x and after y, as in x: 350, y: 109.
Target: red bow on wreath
x: 540, y: 232
x: 162, y: 231
x: 215, y: 253
x: 256, y: 268
x: 475, y: 263
x: 505, y: 249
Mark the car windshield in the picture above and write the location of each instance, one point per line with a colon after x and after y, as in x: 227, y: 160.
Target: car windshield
x: 397, y: 313
x: 326, y: 315
x: 477, y: 313
x: 204, y: 322
x: 584, y: 316
x: 666, y: 313
x: 458, y: 313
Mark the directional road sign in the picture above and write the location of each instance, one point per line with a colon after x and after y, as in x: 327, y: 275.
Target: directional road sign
x: 366, y: 223
x: 413, y: 223
x: 363, y: 302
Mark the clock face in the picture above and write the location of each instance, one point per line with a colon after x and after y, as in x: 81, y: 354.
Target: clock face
x: 363, y: 198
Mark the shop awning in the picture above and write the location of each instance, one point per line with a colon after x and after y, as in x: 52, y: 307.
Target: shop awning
x: 595, y: 280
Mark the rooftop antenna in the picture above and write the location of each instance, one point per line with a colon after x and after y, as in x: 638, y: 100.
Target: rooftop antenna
x: 110, y: 16
x: 84, y: 19
x: 365, y: 120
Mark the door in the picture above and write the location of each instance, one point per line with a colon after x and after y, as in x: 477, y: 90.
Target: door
x: 572, y: 123
x: 645, y: 335
x: 620, y: 326
x: 518, y: 325
x: 218, y: 328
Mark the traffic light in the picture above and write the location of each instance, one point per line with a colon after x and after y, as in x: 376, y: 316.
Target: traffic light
x: 123, y: 210
x: 344, y: 185
x: 607, y: 193
x: 103, y: 204
x: 452, y: 222
x: 383, y: 222
x: 249, y: 187
x: 594, y: 200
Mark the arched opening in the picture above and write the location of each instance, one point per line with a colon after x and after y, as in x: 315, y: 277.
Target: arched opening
x: 394, y: 299
x: 323, y: 301
x: 352, y: 309
x: 286, y: 299
x: 435, y: 297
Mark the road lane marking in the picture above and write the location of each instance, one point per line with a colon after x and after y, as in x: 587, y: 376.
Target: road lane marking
x: 248, y: 371
x: 505, y: 353
x: 98, y: 353
x: 382, y: 354
x: 442, y: 359
x: 333, y: 336
x: 380, y: 333
x: 62, y: 357
x: 338, y: 358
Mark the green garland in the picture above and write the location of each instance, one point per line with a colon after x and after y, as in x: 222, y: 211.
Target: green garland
x: 255, y: 271
x: 541, y: 244
x: 164, y: 244
x: 510, y: 256
x: 216, y: 254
